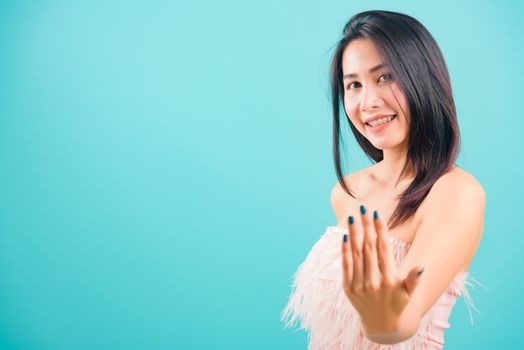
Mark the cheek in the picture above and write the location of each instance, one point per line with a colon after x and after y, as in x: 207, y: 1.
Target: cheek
x: 401, y: 100
x: 352, y: 110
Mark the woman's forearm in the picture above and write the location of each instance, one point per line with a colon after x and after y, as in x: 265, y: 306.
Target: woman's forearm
x: 397, y: 331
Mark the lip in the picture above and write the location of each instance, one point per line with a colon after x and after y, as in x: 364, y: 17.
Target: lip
x: 378, y: 116
x: 380, y: 127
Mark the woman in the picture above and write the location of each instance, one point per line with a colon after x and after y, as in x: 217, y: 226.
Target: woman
x: 388, y: 275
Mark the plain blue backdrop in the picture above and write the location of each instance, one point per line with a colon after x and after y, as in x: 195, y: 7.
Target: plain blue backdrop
x: 166, y: 166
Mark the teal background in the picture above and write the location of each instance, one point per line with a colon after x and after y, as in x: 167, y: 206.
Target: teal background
x: 166, y: 166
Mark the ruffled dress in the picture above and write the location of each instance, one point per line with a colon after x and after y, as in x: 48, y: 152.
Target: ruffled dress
x: 318, y: 301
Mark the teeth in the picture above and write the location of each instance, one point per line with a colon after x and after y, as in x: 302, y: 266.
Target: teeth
x: 381, y: 121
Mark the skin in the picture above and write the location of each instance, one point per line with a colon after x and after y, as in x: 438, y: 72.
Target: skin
x: 444, y: 232
x: 372, y: 94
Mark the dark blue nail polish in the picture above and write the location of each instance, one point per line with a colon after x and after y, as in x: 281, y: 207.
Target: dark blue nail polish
x: 362, y: 209
x: 351, y: 220
x: 345, y: 237
x: 375, y: 215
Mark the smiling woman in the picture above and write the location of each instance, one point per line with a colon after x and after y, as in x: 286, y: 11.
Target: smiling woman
x: 393, y: 280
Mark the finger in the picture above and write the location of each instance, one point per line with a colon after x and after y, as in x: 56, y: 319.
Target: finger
x: 384, y: 252
x: 347, y: 265
x: 356, y: 255
x: 371, y: 270
x: 412, y: 279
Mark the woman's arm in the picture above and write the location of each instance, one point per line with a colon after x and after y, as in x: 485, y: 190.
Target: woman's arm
x: 390, y: 300
x: 449, y: 234
x: 406, y: 327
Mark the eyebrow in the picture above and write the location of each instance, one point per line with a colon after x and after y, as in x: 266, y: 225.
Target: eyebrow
x: 372, y: 70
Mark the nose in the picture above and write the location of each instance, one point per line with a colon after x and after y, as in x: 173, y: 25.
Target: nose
x: 370, y: 98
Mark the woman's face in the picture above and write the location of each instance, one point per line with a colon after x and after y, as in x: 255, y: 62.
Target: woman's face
x: 371, y: 93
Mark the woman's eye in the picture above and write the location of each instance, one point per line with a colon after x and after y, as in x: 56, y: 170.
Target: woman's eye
x: 350, y: 85
x: 388, y: 75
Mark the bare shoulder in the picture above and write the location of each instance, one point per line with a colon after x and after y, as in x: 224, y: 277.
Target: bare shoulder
x: 457, y: 195
x: 457, y: 183
x: 355, y: 182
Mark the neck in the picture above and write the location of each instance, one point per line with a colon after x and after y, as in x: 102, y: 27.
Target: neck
x: 389, y: 169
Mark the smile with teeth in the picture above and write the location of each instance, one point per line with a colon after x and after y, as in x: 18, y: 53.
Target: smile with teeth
x: 381, y: 121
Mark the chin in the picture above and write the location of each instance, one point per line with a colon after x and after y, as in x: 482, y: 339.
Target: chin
x: 385, y: 145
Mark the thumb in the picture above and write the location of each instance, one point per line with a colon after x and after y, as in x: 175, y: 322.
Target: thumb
x: 412, y: 279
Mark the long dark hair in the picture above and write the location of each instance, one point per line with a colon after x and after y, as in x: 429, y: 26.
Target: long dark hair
x: 420, y: 71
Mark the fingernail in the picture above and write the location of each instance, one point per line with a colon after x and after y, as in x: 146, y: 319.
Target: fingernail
x: 375, y: 215
x: 345, y: 237
x: 362, y: 209
x: 351, y: 220
x: 420, y: 272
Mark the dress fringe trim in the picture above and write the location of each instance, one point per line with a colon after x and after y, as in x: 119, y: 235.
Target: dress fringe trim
x: 319, y: 304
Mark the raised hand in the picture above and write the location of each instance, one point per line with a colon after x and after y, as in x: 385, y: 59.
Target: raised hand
x: 371, y: 280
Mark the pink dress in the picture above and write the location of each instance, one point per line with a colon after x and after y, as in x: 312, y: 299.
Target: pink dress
x: 318, y: 301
